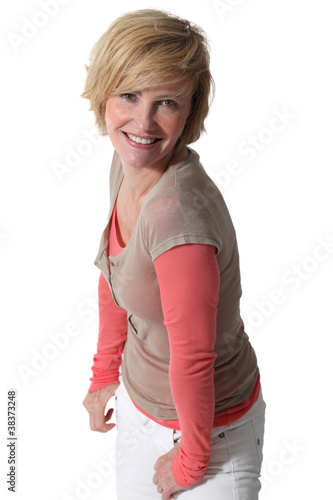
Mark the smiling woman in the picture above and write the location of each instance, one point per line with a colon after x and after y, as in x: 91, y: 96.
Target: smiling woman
x: 144, y: 127
x: 190, y: 413
x: 142, y: 49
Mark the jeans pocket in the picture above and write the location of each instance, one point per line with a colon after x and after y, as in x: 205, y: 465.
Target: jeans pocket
x: 258, y: 425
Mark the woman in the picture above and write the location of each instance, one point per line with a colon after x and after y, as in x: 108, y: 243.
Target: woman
x: 190, y: 414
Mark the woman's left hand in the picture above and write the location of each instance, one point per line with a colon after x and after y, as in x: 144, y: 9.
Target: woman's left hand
x: 163, y: 477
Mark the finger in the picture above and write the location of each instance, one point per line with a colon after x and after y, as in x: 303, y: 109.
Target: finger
x: 109, y: 414
x: 168, y: 495
x: 97, y: 422
x: 156, y: 478
x: 92, y: 420
x: 165, y: 495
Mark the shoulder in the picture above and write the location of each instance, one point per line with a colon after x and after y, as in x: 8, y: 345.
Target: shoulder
x: 185, y: 188
x: 186, y: 207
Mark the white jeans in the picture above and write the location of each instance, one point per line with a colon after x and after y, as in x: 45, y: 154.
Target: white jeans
x: 234, y: 467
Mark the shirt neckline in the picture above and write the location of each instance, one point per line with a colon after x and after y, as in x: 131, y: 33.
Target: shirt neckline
x: 192, y: 154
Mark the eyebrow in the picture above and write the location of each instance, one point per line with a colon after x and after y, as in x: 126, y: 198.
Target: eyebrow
x: 160, y: 97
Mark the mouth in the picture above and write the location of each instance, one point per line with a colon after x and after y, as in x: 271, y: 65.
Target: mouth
x: 142, y: 140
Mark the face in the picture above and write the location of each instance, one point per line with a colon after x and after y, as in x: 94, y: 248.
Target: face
x: 144, y: 125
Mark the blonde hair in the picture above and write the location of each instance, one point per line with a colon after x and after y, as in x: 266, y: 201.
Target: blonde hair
x: 143, y: 48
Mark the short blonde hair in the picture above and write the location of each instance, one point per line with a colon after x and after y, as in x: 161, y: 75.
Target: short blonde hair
x: 143, y: 48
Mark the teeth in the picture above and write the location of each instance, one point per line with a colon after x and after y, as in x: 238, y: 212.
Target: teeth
x: 139, y: 140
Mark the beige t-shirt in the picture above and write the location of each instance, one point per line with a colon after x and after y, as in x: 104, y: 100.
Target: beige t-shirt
x: 184, y: 206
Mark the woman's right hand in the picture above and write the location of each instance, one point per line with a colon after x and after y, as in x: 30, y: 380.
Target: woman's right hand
x: 95, y: 403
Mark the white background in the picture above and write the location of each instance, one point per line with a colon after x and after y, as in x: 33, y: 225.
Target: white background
x: 266, y: 56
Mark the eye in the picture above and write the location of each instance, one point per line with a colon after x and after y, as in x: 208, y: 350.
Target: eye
x: 128, y: 97
x: 169, y: 103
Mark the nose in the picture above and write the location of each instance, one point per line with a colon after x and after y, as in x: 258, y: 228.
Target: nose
x: 146, y: 117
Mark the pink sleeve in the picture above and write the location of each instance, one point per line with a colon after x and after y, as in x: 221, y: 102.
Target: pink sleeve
x: 111, y: 339
x: 189, y: 281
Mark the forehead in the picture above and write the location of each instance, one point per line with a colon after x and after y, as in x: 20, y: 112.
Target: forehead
x: 166, y: 91
x: 160, y: 85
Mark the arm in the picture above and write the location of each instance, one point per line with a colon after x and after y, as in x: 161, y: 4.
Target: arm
x: 111, y: 340
x: 189, y: 280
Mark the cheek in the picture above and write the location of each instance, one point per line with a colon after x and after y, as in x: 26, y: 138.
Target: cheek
x: 175, y: 125
x: 114, y: 118
x: 113, y: 111
x: 108, y: 117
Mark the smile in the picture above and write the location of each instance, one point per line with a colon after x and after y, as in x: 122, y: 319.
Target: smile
x: 140, y: 140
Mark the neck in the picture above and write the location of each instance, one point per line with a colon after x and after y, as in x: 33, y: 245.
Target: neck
x: 140, y: 181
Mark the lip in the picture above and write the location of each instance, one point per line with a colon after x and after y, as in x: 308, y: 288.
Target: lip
x: 141, y: 146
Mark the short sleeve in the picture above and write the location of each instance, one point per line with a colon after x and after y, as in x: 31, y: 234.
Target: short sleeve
x: 174, y: 218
